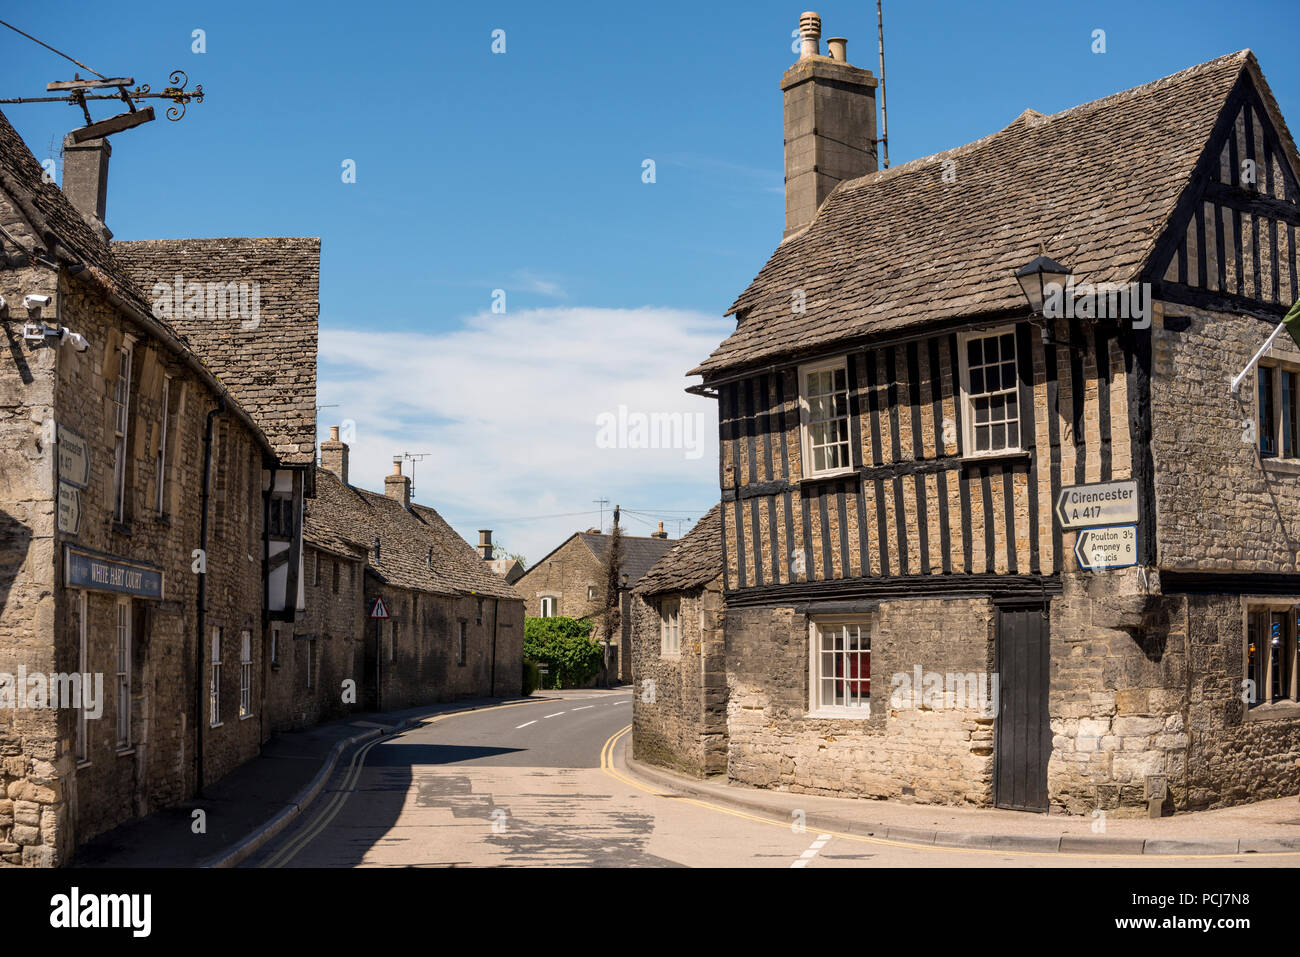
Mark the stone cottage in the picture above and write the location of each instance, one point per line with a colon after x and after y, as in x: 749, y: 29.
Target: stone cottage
x: 678, y: 656
x: 1061, y: 545
x: 571, y: 581
x: 132, y: 553
x: 450, y: 627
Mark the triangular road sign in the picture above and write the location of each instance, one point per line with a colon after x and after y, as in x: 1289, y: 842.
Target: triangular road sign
x: 378, y: 609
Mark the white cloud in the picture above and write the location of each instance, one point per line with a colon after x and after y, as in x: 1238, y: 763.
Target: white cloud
x: 508, y: 406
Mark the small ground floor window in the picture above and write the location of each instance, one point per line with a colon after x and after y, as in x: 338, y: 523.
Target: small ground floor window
x: 1271, y: 653
x: 840, y: 667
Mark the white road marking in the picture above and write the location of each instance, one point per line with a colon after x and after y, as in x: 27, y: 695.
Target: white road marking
x: 584, y: 707
x: 553, y: 715
x: 524, y: 725
x: 808, y: 855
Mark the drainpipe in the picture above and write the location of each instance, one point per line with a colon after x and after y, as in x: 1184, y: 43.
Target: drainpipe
x: 203, y: 591
x: 496, y: 625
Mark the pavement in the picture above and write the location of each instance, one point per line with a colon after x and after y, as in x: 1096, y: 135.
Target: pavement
x: 1261, y: 828
x: 249, y: 808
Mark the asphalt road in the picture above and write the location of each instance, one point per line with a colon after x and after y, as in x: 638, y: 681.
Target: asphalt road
x: 542, y: 783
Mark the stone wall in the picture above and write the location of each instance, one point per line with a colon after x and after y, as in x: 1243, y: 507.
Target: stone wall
x: 937, y: 756
x: 679, y: 704
x: 566, y: 574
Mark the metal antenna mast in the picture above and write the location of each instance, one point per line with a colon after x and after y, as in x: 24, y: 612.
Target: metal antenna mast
x: 602, y: 502
x: 412, y: 457
x: 884, y: 119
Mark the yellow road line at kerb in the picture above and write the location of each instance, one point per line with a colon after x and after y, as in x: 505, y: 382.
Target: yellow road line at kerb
x: 355, y: 767
x: 607, y: 765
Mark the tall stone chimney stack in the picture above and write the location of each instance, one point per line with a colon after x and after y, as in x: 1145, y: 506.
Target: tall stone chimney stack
x: 397, y: 485
x: 485, y: 544
x: 661, y: 533
x: 830, y: 123
x: 85, y: 180
x: 334, y: 455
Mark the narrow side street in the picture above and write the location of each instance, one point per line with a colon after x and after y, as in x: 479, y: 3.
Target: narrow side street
x: 544, y: 783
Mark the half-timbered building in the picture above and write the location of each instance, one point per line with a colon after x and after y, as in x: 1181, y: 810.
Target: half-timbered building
x: 908, y: 614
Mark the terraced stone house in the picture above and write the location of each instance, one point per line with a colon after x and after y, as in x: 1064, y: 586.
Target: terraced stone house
x: 907, y: 614
x: 140, y: 509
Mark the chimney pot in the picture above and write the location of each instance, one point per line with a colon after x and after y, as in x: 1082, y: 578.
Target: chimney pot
x: 810, y: 32
x: 837, y: 49
x: 334, y: 433
x: 661, y: 533
x: 485, y: 544
x: 397, y: 466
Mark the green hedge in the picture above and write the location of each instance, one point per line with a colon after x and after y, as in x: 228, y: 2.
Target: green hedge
x: 564, y: 645
x: 532, y: 677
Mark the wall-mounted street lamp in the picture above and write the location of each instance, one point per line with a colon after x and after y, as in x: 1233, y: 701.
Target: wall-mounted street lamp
x: 1034, y: 279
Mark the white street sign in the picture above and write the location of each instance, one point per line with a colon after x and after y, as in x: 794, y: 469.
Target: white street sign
x: 1100, y: 548
x: 69, y: 509
x: 1102, y: 503
x: 74, y: 458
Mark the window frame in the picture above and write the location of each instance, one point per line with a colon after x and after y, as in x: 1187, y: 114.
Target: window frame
x: 817, y: 708
x: 82, y: 743
x: 461, y: 642
x: 840, y: 364
x: 968, y: 450
x: 670, y: 627
x: 122, y: 426
x: 214, y: 677
x: 245, y: 673
x: 1263, y: 608
x: 160, y: 504
x: 554, y: 603
x: 1284, y: 414
x: 125, y: 632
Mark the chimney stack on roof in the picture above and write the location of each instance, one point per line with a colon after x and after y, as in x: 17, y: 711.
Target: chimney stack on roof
x: 398, y: 486
x: 334, y: 455
x: 661, y: 533
x: 485, y: 544
x: 830, y: 123
x: 85, y: 180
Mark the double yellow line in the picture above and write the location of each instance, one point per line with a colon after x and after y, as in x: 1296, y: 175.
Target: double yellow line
x: 353, y: 775
x: 607, y: 765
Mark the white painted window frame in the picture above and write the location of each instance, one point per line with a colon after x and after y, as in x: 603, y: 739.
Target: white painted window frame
x: 214, y: 677
x: 122, y: 425
x: 967, y: 399
x: 548, y: 601
x: 245, y: 674
x: 805, y: 418
x: 1277, y: 368
x: 816, y: 707
x: 670, y: 627
x: 124, y: 631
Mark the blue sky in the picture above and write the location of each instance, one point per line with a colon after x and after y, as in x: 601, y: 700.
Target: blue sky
x: 522, y: 172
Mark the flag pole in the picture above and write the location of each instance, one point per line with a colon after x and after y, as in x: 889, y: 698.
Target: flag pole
x: 1236, y: 383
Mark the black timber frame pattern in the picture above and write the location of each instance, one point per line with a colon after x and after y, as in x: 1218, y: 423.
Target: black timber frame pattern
x: 913, y: 515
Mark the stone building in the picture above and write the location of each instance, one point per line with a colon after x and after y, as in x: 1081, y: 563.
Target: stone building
x: 571, y: 582
x: 453, y: 628
x: 679, y: 658
x: 898, y: 427
x: 135, y: 490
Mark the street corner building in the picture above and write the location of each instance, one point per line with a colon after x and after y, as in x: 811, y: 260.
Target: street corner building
x: 679, y: 658
x: 153, y: 464
x: 572, y: 580
x: 974, y: 552
x: 404, y: 607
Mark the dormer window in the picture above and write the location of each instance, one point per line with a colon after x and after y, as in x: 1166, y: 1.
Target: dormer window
x: 824, y: 414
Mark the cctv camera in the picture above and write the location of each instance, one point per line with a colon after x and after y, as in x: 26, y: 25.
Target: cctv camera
x: 74, y: 339
x: 36, y: 302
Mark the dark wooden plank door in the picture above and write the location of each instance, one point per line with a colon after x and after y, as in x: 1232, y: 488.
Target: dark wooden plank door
x: 1023, y: 734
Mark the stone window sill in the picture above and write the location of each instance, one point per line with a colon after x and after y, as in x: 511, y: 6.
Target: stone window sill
x: 83, y: 764
x: 245, y: 717
x: 125, y: 752
x: 827, y: 476
x: 1282, y: 466
x: 217, y: 725
x: 1274, y: 711
x: 835, y: 714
